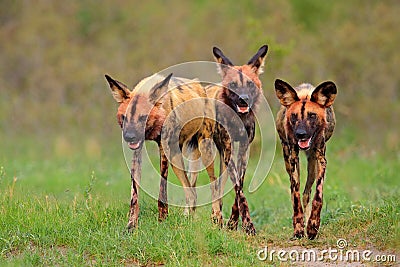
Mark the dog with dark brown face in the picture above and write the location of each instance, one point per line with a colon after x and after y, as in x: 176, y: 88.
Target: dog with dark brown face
x: 305, y: 122
x: 148, y: 128
x: 239, y: 91
x: 151, y: 111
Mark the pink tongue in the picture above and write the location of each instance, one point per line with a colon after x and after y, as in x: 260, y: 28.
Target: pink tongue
x: 243, y: 109
x: 134, y: 145
x: 304, y: 143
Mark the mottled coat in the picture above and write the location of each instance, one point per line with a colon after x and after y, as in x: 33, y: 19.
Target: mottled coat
x: 153, y: 110
x: 239, y: 94
x: 305, y: 122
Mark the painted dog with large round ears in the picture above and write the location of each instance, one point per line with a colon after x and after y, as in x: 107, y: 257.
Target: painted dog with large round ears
x: 143, y: 115
x: 305, y: 122
x: 240, y: 92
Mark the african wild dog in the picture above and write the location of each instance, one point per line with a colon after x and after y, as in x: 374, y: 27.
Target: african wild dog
x: 154, y: 123
x: 305, y: 122
x: 239, y: 92
x: 143, y: 114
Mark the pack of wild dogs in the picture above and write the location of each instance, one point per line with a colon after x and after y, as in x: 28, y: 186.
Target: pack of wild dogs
x: 181, y: 116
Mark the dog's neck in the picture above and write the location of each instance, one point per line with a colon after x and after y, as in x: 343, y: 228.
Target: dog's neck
x: 155, y: 123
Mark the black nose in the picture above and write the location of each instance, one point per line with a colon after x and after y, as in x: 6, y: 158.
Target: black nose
x: 300, y: 133
x: 244, y: 99
x: 130, y: 137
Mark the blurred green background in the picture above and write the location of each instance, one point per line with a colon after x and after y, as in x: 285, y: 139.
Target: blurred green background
x: 55, y: 103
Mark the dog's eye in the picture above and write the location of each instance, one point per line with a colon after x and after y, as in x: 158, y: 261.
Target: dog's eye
x: 312, y: 116
x: 233, y: 85
x: 250, y: 84
x: 293, y: 118
x: 142, y: 118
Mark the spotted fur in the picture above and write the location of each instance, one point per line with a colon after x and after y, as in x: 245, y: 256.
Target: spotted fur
x: 305, y: 122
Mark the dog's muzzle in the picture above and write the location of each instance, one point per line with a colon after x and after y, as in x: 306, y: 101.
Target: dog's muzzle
x: 243, y: 105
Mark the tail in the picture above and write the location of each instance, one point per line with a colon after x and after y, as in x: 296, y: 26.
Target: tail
x: 193, y: 143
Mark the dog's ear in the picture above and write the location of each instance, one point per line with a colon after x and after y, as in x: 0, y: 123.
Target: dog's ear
x: 119, y: 91
x: 324, y: 94
x: 285, y: 93
x: 159, y: 90
x: 223, y: 62
x: 257, y: 61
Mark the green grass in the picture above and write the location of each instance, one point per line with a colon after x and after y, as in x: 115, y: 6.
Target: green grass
x: 72, y: 210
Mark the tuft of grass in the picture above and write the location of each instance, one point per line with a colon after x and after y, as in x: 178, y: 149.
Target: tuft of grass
x: 368, y: 224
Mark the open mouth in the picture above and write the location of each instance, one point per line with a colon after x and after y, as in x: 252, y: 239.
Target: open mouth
x: 304, y: 143
x: 134, y: 145
x: 243, y: 108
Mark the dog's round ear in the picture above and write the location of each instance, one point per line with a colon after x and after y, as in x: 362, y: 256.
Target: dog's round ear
x: 119, y: 90
x: 223, y: 62
x: 285, y: 93
x: 324, y: 94
x: 257, y: 61
x: 159, y: 89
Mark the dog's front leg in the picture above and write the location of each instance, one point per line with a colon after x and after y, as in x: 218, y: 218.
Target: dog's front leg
x: 291, y: 155
x: 135, y: 179
x: 241, y: 206
x: 314, y: 220
x: 247, y: 224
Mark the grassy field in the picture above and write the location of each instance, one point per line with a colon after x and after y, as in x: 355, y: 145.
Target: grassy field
x: 58, y: 208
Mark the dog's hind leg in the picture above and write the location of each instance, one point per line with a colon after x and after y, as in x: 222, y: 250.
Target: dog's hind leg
x: 223, y: 178
x: 190, y: 194
x: 194, y: 167
x: 162, y: 197
x: 208, y: 154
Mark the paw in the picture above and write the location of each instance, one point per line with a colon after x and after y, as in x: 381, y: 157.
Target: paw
x: 312, y: 231
x: 132, y: 224
x: 217, y: 220
x: 312, y: 228
x: 297, y: 235
x: 232, y: 224
x: 162, y: 216
x: 249, y: 228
